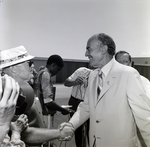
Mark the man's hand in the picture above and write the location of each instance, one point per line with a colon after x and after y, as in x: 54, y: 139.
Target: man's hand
x: 78, y: 81
x: 66, y: 131
x: 9, y: 91
x: 20, y: 124
x: 17, y: 127
x: 65, y: 111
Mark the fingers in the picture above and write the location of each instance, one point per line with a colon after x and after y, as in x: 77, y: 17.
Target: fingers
x: 67, y: 132
x: 79, y: 81
x: 11, y: 91
x: 15, y: 92
x: 7, y: 89
x: 68, y: 138
x: 20, y: 124
x: 23, y: 120
x: 62, y: 125
x: 65, y: 111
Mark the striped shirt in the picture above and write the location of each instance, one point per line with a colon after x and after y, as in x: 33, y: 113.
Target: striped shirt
x: 78, y: 91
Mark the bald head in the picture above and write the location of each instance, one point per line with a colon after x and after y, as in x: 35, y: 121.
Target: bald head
x: 106, y: 40
x: 100, y: 50
x: 123, y: 57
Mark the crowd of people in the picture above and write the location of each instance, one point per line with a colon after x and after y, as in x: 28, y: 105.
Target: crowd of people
x: 110, y: 98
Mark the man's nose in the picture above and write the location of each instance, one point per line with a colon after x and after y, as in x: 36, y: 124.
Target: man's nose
x: 86, y: 53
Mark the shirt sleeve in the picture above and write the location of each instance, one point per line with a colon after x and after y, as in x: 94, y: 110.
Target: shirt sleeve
x: 46, y: 87
x: 74, y: 75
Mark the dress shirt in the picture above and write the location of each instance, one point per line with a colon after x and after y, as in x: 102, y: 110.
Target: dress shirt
x: 105, y: 70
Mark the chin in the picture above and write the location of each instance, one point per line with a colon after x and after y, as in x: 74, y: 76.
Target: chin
x: 91, y: 65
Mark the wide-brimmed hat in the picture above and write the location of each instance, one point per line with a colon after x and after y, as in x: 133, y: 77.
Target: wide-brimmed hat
x: 14, y: 56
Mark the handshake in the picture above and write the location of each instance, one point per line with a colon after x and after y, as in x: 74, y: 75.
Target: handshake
x: 66, y: 131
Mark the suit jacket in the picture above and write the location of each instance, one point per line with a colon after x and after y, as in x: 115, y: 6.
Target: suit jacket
x: 121, y: 106
x: 146, y: 84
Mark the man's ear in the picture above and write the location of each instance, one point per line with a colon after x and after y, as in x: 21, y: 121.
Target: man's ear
x: 104, y: 49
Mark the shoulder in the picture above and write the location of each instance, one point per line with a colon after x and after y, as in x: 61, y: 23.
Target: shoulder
x: 123, y: 68
x: 44, y: 73
x: 144, y: 79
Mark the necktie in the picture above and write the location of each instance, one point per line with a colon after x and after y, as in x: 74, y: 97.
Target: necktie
x: 100, y: 84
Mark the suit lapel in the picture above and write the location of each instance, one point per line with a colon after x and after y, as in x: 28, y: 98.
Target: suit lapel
x: 107, y: 84
x: 110, y: 79
x: 94, y: 87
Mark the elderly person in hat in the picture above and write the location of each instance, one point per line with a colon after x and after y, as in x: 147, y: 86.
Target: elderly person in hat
x: 15, y: 63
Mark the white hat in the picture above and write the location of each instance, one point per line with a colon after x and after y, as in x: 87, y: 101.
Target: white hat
x: 14, y: 56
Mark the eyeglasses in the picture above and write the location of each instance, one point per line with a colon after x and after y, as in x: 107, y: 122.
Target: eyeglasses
x: 30, y: 63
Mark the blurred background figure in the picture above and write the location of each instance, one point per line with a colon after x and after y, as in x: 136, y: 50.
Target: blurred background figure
x: 33, y: 74
x: 44, y: 87
x: 124, y: 57
x: 79, y: 81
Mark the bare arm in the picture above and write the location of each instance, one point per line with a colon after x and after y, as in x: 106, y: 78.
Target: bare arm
x: 70, y: 82
x: 37, y: 136
x: 54, y: 106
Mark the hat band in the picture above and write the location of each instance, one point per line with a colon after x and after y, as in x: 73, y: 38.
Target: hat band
x: 14, y: 59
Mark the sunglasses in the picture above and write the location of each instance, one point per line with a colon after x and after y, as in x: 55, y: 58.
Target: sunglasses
x: 30, y: 63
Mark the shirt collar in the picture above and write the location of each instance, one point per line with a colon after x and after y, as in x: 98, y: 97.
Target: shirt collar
x: 105, y: 69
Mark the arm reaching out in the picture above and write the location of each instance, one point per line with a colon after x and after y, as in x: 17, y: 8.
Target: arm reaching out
x: 37, y: 136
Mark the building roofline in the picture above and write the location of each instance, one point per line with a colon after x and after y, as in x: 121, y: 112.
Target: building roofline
x: 70, y: 60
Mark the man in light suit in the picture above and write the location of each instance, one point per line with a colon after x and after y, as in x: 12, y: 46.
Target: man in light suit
x: 118, y: 106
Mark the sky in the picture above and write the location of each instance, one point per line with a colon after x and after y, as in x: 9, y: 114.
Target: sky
x: 46, y: 27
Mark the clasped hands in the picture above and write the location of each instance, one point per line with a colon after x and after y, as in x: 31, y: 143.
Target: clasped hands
x: 66, y: 131
x: 81, y: 80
